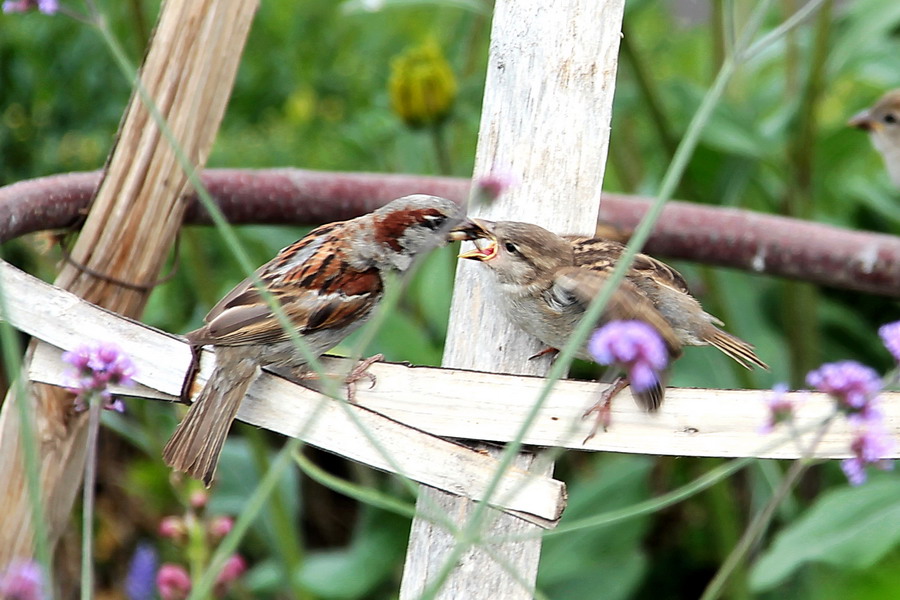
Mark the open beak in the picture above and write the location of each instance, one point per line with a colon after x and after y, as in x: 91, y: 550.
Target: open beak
x: 480, y: 232
x: 863, y: 120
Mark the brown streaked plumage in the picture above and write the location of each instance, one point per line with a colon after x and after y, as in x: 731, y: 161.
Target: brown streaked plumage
x: 547, y: 281
x: 882, y: 121
x: 328, y: 284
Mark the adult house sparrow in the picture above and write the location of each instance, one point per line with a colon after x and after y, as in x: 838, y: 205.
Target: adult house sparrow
x: 546, y: 283
x: 882, y: 121
x: 328, y: 284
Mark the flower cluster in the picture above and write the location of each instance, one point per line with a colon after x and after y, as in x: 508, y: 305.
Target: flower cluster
x: 48, y: 7
x: 22, y: 580
x: 781, y: 408
x: 422, y: 86
x: 855, y: 388
x: 852, y: 384
x: 634, y: 346
x: 97, y: 366
x: 173, y: 580
x: 890, y: 335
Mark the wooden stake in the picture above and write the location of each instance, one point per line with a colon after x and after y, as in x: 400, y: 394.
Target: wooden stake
x: 545, y: 122
x: 189, y: 71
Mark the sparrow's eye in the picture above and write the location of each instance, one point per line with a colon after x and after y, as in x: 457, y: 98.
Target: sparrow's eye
x: 511, y: 248
x: 890, y: 118
x: 434, y: 221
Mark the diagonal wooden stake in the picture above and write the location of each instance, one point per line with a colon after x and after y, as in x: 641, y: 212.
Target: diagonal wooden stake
x: 66, y: 321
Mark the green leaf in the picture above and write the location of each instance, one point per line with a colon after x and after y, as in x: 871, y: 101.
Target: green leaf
x: 377, y: 548
x: 611, y: 558
x: 237, y: 475
x: 848, y: 527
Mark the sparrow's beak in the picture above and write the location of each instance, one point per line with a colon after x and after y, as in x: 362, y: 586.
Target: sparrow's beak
x: 863, y: 120
x: 479, y: 231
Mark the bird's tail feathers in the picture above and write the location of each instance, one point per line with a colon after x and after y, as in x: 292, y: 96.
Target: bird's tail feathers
x: 195, y: 446
x: 742, y: 352
x: 650, y: 399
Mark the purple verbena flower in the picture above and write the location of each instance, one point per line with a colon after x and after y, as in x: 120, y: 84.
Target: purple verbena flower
x: 97, y: 366
x: 140, y: 580
x: 852, y: 384
x: 890, y: 335
x: 781, y: 408
x: 856, y: 388
x: 22, y: 580
x: 16, y: 6
x: 871, y: 446
x: 48, y: 7
x: 173, y: 582
x: 633, y: 345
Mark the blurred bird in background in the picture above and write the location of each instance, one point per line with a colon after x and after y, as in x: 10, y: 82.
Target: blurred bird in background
x: 882, y: 121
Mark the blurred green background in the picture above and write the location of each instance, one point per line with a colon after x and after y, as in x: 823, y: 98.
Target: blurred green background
x: 312, y: 92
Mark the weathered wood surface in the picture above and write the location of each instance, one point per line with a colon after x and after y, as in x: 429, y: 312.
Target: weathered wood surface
x: 545, y: 122
x: 66, y: 321
x: 188, y: 71
x: 446, y: 402
x: 365, y: 436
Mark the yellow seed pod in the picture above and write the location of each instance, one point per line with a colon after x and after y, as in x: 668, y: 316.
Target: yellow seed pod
x: 422, y: 85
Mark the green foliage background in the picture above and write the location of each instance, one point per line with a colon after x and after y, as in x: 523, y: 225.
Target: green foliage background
x: 312, y: 93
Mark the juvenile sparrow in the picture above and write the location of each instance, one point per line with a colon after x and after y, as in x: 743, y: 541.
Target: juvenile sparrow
x: 882, y: 121
x: 546, y: 283
x: 328, y: 284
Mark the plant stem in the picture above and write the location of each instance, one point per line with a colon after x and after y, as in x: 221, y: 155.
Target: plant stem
x: 441, y: 152
x: 761, y: 521
x: 286, y: 535
x: 87, y: 504
x: 12, y: 353
x: 252, y: 507
x: 726, y: 522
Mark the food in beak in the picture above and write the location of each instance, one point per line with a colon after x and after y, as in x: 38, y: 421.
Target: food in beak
x: 485, y: 249
x: 477, y: 231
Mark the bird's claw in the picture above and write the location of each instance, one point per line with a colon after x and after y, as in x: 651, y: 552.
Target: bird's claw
x: 603, y: 407
x: 361, y: 371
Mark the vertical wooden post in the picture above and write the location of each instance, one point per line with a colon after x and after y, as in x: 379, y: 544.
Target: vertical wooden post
x: 545, y: 120
x: 189, y: 72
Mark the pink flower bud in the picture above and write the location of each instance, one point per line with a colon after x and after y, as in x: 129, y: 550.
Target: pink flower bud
x: 172, y: 528
x: 233, y: 569
x: 219, y: 527
x: 173, y: 582
x: 198, y: 499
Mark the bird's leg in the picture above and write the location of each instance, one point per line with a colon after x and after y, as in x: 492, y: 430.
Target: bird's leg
x: 360, y: 371
x: 544, y: 352
x: 187, y: 387
x: 603, y: 406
